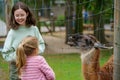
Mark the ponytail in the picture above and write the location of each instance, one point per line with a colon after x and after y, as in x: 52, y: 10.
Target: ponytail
x: 21, y: 58
x: 25, y: 48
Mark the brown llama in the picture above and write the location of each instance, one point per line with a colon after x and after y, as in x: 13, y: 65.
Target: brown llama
x: 90, y: 55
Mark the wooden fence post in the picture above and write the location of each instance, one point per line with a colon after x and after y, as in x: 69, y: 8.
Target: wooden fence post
x: 116, y: 70
x: 8, y: 5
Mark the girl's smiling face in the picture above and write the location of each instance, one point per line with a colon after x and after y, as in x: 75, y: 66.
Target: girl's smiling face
x: 20, y: 16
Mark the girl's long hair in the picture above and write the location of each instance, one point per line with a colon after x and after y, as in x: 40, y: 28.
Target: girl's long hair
x: 21, y: 57
x: 30, y: 20
x: 25, y: 48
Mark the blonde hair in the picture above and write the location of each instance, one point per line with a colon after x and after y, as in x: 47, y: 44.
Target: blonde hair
x: 25, y: 48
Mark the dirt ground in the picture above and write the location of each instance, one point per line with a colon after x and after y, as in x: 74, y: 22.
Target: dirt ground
x: 3, y: 75
x: 55, y: 43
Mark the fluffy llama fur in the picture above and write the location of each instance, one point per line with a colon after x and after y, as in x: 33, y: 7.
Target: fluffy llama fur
x: 91, y: 67
x: 90, y: 55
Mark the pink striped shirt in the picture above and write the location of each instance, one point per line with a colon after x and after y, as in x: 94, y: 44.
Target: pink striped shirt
x: 37, y: 68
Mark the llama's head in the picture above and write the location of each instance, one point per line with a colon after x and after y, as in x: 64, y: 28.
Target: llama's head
x: 84, y: 42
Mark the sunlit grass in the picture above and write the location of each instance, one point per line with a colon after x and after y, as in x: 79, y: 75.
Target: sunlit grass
x: 66, y: 66
x: 4, y: 69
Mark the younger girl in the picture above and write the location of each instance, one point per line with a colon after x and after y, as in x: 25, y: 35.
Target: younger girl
x: 30, y: 65
x: 22, y: 24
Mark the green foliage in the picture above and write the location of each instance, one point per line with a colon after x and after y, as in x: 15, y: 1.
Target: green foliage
x: 104, y: 7
x: 2, y: 8
x: 60, y: 20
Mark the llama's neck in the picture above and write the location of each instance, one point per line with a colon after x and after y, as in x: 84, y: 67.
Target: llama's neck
x: 87, y: 56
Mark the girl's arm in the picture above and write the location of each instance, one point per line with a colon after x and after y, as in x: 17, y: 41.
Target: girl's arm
x: 41, y: 41
x: 8, y: 52
x: 46, y: 69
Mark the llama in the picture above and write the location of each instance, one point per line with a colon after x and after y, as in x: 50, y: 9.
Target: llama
x: 90, y: 54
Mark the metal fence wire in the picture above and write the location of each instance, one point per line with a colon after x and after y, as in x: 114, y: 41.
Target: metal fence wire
x: 51, y: 19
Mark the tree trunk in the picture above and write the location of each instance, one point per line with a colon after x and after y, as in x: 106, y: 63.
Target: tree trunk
x: 68, y: 18
x: 7, y: 12
x: 98, y: 22
x: 79, y: 19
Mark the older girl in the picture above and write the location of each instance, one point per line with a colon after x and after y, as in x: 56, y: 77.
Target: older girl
x: 22, y: 24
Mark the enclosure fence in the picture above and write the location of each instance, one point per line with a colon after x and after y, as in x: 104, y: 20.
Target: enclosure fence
x: 51, y: 18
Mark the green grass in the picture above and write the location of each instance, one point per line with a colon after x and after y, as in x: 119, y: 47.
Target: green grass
x: 4, y: 69
x: 3, y: 64
x: 105, y: 54
x: 65, y: 66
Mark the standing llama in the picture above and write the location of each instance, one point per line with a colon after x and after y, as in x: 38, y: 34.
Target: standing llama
x: 90, y: 55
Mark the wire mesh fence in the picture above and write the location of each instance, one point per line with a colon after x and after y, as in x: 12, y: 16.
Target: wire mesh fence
x: 51, y: 20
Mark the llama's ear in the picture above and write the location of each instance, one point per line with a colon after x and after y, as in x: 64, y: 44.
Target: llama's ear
x: 93, y: 38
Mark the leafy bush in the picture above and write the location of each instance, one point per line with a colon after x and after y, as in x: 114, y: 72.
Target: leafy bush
x: 60, y: 20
